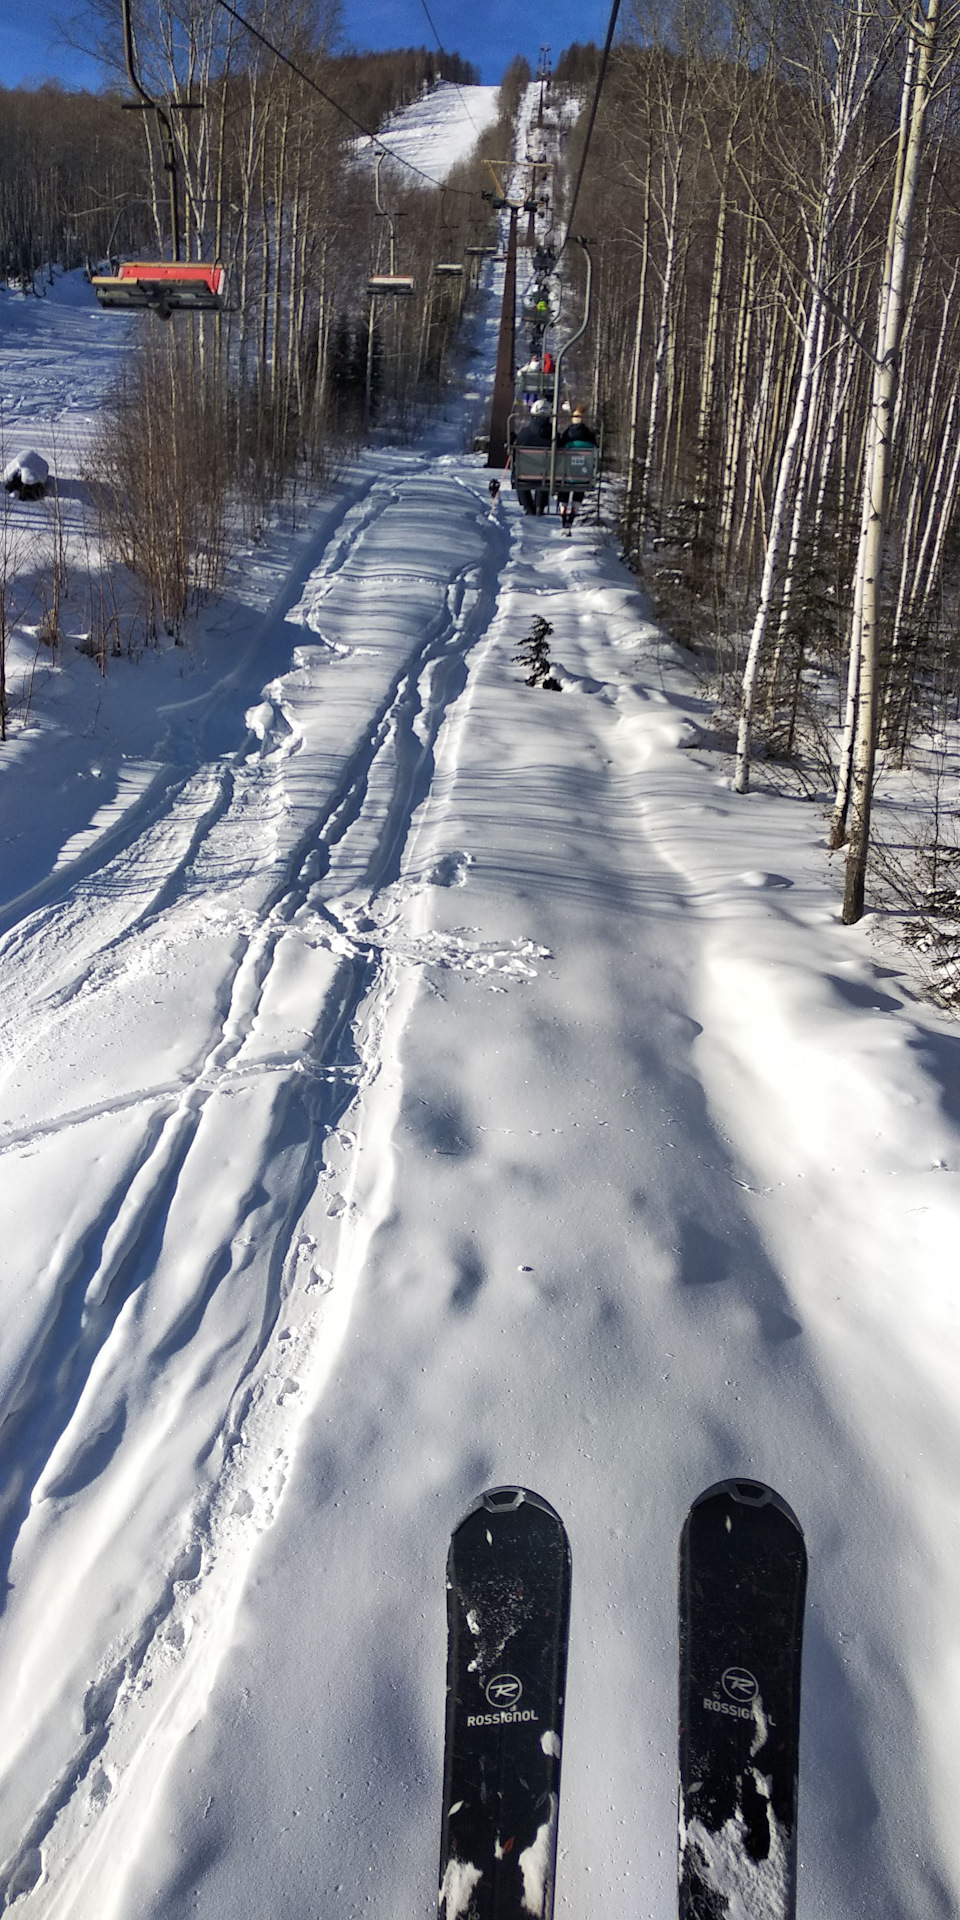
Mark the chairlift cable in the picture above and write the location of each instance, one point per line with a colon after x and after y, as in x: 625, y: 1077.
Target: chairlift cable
x: 604, y: 57
x: 465, y: 192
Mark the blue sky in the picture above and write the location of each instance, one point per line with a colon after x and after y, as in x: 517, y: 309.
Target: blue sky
x: 489, y: 33
x: 29, y: 56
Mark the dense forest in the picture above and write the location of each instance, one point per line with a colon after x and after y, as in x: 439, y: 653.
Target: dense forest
x: 775, y: 198
x: 75, y: 175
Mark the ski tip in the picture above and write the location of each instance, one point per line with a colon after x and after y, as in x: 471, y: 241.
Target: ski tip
x: 508, y: 1499
x: 747, y: 1493
x: 503, y: 1499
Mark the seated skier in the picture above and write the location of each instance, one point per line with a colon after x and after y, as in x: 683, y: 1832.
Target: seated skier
x: 577, y: 434
x: 535, y: 432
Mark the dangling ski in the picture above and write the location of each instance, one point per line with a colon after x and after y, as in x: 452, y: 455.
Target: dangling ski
x: 508, y: 1610
x: 743, y: 1574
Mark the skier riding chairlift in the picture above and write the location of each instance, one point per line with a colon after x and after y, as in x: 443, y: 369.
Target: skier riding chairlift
x: 577, y: 434
x: 535, y: 432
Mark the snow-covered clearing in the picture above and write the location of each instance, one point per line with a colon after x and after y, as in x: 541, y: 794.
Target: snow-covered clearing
x: 413, y: 1080
x: 442, y: 129
x: 58, y: 354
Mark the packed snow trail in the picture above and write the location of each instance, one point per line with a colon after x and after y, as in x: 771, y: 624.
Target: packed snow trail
x: 586, y: 1278
x: 491, y: 999
x: 159, y: 1278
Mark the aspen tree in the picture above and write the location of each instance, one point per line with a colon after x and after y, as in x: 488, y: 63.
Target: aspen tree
x: 845, y: 88
x: 671, y: 177
x: 811, y: 438
x: 633, y: 485
x: 930, y: 432
x: 918, y: 76
x: 733, y: 446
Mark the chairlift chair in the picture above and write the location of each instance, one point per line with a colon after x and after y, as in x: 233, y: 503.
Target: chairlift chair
x: 392, y: 285
x: 448, y: 270
x: 555, y: 471
x: 163, y: 286
x: 573, y: 468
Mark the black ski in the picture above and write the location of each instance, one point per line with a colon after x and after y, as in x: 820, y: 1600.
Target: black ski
x: 743, y: 1575
x: 508, y: 1610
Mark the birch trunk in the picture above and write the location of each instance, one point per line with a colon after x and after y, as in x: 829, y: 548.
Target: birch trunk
x: 923, y: 32
x: 737, y: 406
x: 663, y: 326
x: 633, y: 490
x: 775, y: 543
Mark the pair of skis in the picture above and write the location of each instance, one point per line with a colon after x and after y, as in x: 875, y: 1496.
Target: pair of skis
x: 742, y: 1583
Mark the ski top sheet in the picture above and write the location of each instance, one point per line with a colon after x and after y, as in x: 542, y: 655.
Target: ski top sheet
x: 508, y: 1611
x: 743, y: 1572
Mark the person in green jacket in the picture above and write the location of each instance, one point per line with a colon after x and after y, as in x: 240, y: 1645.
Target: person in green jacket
x: 577, y: 434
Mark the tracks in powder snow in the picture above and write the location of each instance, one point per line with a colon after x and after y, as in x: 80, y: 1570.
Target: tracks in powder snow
x: 199, y: 1033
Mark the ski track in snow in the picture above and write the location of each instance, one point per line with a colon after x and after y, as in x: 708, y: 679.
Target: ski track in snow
x: 276, y: 874
x: 580, y: 1279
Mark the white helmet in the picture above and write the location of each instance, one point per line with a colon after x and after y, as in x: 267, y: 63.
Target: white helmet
x: 541, y: 407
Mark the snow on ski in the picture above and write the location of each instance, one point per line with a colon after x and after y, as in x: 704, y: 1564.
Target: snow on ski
x: 743, y: 1571
x: 508, y: 1610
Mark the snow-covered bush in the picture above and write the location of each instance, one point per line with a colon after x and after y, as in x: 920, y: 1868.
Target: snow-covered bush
x: 27, y: 475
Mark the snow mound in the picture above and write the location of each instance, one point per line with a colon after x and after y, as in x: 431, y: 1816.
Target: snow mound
x: 26, y: 473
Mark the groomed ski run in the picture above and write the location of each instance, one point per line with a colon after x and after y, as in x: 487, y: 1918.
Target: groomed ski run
x: 415, y: 1081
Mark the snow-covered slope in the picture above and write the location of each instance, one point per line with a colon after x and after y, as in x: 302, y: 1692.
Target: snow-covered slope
x: 441, y: 129
x: 58, y: 354
x: 413, y: 1080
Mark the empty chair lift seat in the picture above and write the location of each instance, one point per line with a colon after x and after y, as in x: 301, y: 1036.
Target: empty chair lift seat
x: 166, y: 286
x: 392, y: 285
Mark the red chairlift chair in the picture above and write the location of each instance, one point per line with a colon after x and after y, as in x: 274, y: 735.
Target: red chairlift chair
x: 164, y: 286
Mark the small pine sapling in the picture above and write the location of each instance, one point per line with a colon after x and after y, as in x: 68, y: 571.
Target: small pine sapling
x: 535, y: 656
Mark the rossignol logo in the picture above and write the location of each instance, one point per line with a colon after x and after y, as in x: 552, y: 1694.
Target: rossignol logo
x: 503, y: 1693
x: 739, y: 1684
x: 743, y: 1696
x: 504, y: 1690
